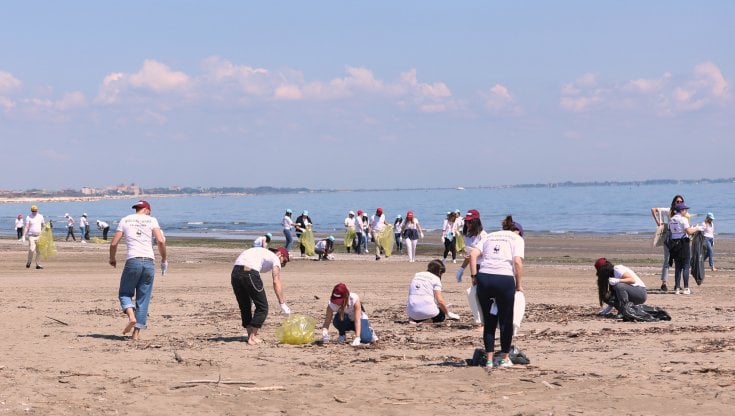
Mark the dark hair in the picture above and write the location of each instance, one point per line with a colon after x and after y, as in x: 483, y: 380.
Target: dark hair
x: 436, y: 267
x: 603, y: 285
x: 672, y: 210
x: 508, y: 224
x: 472, y: 228
x: 397, y: 221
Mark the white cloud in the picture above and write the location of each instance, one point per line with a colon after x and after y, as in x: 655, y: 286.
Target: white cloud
x: 253, y: 81
x: 6, y: 103
x: 70, y: 101
x: 158, y: 77
x: 498, y: 99
x: 648, y: 86
x: 8, y: 83
x: 582, y: 94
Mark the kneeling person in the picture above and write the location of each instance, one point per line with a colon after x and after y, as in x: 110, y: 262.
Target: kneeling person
x: 425, y: 299
x: 618, y: 285
x: 324, y: 248
x: 349, y: 315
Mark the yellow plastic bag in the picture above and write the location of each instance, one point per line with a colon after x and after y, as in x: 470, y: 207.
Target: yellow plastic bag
x: 459, y: 242
x: 386, y: 239
x: 307, y: 240
x: 46, y: 246
x: 350, y: 237
x: 297, y: 329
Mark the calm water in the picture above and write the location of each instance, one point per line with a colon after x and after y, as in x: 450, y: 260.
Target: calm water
x: 600, y: 209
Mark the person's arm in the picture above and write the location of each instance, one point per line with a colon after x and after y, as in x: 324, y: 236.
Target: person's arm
x: 113, y: 247
x: 421, y: 232
x: 656, y: 216
x: 518, y: 272
x: 440, y: 302
x: 160, y: 242
x: 628, y: 278
x: 474, y: 254
x: 327, y: 318
x: 276, y: 272
x: 358, y: 318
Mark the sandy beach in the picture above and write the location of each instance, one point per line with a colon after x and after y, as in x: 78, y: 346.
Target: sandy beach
x: 63, y: 353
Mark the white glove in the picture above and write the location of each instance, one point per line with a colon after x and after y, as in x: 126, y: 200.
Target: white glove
x: 285, y: 309
x: 325, y: 335
x: 421, y: 236
x: 459, y: 274
x: 356, y: 342
x: 452, y: 316
x: 164, y: 267
x: 24, y: 239
x: 613, y: 281
x: 604, y: 311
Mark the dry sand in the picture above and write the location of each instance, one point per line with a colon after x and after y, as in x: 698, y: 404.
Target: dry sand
x: 62, y: 351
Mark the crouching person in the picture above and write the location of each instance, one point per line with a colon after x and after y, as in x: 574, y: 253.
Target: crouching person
x: 425, y: 299
x: 346, y: 313
x: 618, y: 285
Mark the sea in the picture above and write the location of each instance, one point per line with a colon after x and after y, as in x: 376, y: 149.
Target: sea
x: 601, y: 209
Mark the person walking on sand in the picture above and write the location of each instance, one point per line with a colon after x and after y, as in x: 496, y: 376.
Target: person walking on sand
x: 708, y: 230
x: 104, y: 227
x: 69, y: 227
x: 411, y: 234
x: 449, y: 232
x: 19, y: 225
x: 346, y: 313
x: 397, y: 228
x: 84, y: 227
x: 287, y: 224
x: 425, y: 299
x: 33, y: 228
x: 377, y: 222
x: 136, y: 280
x: 360, y: 236
x: 679, y: 249
x: 663, y: 216
x: 250, y: 290
x: 497, y: 269
x: 350, y: 231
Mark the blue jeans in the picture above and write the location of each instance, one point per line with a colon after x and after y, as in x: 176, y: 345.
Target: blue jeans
x: 346, y: 324
x: 665, y: 267
x: 289, y: 239
x: 137, y: 280
x: 360, y: 238
x: 710, y: 251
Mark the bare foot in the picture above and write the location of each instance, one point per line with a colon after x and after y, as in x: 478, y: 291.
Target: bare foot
x: 129, y: 327
x: 479, y: 328
x: 136, y: 334
x: 252, y: 340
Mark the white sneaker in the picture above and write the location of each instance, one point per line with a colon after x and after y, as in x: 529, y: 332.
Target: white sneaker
x: 375, y: 337
x: 677, y: 291
x: 453, y: 316
x: 687, y: 291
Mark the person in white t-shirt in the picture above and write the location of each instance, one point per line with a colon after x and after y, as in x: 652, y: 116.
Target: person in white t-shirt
x: 496, y: 267
x: 250, y: 290
x: 662, y: 216
x: 287, y: 224
x: 449, y: 232
x: 425, y: 299
x: 361, y: 240
x: 375, y: 226
x: 139, y: 230
x: 69, y: 227
x: 84, y: 226
x: 34, y: 225
x: 263, y: 240
x: 708, y: 230
x: 679, y: 248
x: 324, y: 248
x: 104, y: 227
x: 397, y: 229
x: 617, y: 285
x: 350, y: 231
x: 19, y: 225
x: 411, y: 233
x: 346, y: 313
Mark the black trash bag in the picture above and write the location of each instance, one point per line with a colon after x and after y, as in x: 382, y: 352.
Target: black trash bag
x: 699, y: 248
x: 656, y: 312
x: 517, y: 356
x: 636, y: 313
x: 479, y: 358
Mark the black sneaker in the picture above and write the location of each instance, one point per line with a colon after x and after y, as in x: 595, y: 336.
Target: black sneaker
x: 377, y: 257
x: 38, y: 267
x: 664, y: 287
x: 28, y: 265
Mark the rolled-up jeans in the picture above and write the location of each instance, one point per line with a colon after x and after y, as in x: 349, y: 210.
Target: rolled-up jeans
x: 137, y: 280
x: 346, y: 324
x: 710, y: 251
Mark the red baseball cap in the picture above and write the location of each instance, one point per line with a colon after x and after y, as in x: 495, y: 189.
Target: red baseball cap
x: 472, y: 214
x: 600, y: 262
x: 142, y: 204
x: 359, y: 212
x: 283, y: 252
x: 379, y: 210
x: 339, y: 294
x: 409, y: 214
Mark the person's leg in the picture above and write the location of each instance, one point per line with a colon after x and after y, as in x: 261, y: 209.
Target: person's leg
x: 485, y: 294
x: 289, y: 239
x: 625, y: 293
x: 237, y: 279
x: 143, y: 292
x: 343, y: 324
x: 31, y: 249
x: 19, y: 230
x: 453, y: 250
x: 128, y: 282
x: 446, y: 248
x: 665, y: 267
x: 366, y: 332
x: 505, y: 291
x: 687, y: 265
x: 710, y: 252
x: 439, y: 318
x: 256, y: 290
x: 678, y: 267
x: 104, y: 233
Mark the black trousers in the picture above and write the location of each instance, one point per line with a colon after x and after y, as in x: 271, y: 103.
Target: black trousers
x: 249, y: 291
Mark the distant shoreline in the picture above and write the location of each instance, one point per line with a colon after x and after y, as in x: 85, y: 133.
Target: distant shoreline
x: 25, y: 199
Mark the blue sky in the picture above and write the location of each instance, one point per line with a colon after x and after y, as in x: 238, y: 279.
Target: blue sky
x: 347, y: 94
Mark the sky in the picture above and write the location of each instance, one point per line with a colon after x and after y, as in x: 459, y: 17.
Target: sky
x: 353, y: 94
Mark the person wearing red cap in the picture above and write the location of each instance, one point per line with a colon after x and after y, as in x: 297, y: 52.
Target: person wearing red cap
x: 377, y: 222
x: 250, y: 290
x: 411, y: 233
x: 139, y: 230
x: 496, y: 266
x: 19, y: 224
x: 449, y: 232
x: 346, y: 313
x: 617, y: 285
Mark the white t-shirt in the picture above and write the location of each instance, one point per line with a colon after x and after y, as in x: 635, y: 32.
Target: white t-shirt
x: 358, y: 225
x: 474, y: 242
x: 619, y: 270
x: 421, y: 303
x: 260, y: 242
x: 349, y: 308
x: 19, y: 223
x: 138, y: 231
x: 320, y: 245
x: 678, y: 225
x: 449, y: 229
x: 663, y: 215
x: 708, y: 230
x: 69, y: 222
x: 35, y: 224
x: 258, y: 258
x: 287, y: 222
x: 102, y: 225
x: 350, y: 222
x: 397, y: 227
x: 83, y: 221
x: 377, y: 222
x: 498, y: 250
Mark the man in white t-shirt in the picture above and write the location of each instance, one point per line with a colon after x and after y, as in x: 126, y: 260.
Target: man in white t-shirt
x: 139, y: 229
x: 104, y: 227
x: 34, y: 226
x: 377, y: 222
x: 350, y: 228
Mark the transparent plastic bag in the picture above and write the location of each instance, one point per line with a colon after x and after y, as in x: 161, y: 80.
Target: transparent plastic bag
x: 46, y: 246
x: 307, y: 240
x: 297, y: 329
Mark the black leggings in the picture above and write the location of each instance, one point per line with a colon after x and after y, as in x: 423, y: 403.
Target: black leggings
x: 449, y: 246
x: 249, y: 290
